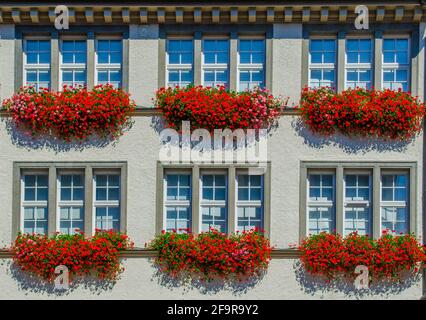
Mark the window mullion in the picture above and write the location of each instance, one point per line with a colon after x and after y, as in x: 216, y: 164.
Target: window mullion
x: 341, y: 57
x: 197, y: 58
x: 196, y: 214
x: 52, y: 195
x: 378, y: 56
x: 232, y: 226
x: 88, y: 197
x: 90, y: 62
x: 54, y: 61
x: 376, y: 208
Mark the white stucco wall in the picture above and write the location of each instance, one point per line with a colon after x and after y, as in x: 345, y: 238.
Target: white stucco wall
x: 143, y: 63
x: 287, y: 147
x: 140, y: 148
x: 7, y: 60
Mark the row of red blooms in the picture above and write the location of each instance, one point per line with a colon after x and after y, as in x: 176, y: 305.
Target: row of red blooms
x: 78, y: 113
x: 212, y: 255
x: 386, y: 113
x: 73, y: 113
x: 389, y: 257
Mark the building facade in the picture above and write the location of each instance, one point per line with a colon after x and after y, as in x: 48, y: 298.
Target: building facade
x: 307, y: 183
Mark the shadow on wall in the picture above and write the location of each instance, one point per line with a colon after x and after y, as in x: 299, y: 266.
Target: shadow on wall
x: 212, y: 287
x: 31, y: 284
x: 312, y: 285
x: 22, y: 138
x: 349, y: 145
x: 158, y: 125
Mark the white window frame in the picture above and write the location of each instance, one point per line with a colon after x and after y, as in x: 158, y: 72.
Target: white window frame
x: 321, y: 203
x: 213, y: 203
x: 357, y: 203
x: 33, y: 203
x: 179, y: 66
x: 35, y: 66
x: 71, y: 66
x: 106, y: 203
x: 250, y: 66
x: 322, y: 66
x: 359, y: 66
x: 68, y: 203
x: 396, y: 66
x: 108, y: 66
x: 215, y: 66
x: 395, y: 204
x: 176, y: 203
x: 250, y: 203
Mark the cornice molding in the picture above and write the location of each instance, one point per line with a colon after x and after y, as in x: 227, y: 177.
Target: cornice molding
x: 181, y: 12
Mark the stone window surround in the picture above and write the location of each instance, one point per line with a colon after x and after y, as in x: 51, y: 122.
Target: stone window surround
x: 195, y: 169
x: 377, y: 32
x: 52, y: 168
x: 197, y: 32
x: 375, y: 167
x: 91, y: 33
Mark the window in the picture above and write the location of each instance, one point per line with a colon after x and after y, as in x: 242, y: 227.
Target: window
x: 321, y: 203
x: 34, y: 203
x: 180, y: 60
x: 107, y: 201
x: 71, y: 208
x: 73, y: 63
x: 71, y: 202
x: 249, y: 202
x: 214, y: 202
x: 394, y: 202
x: 108, y: 62
x: 366, y: 198
x: 358, y: 63
x: 251, y: 61
x: 357, y: 204
x: 396, y: 63
x: 322, y: 62
x: 216, y: 62
x: 37, y: 63
x: 178, y: 202
x: 230, y: 198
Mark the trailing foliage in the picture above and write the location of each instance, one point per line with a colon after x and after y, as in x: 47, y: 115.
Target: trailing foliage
x: 212, y: 254
x: 73, y: 113
x: 98, y: 255
x: 378, y: 113
x: 217, y: 108
x: 388, y: 257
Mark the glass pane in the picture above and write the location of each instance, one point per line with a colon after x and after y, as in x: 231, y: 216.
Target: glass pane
x: 64, y: 213
x: 65, y: 193
x: 388, y: 57
x: 29, y: 194
x: 400, y: 180
x: 101, y: 194
x: 387, y: 180
x: 28, y: 213
x: 114, y: 194
x: 42, y: 194
x: 255, y: 194
x: 208, y: 193
x: 388, y: 44
x: 352, y: 57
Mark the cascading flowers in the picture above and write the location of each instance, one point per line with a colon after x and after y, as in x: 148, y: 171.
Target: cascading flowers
x: 73, y: 113
x: 217, y: 108
x: 385, y: 113
x: 388, y: 257
x: 39, y: 255
x: 212, y: 254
